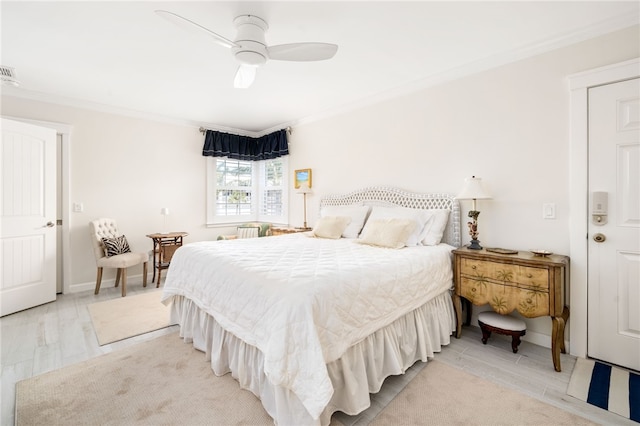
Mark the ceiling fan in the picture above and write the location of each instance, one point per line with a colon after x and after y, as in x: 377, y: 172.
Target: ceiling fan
x: 250, y: 48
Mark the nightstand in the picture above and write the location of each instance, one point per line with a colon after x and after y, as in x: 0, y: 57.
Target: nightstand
x: 532, y: 285
x: 284, y: 231
x: 169, y: 241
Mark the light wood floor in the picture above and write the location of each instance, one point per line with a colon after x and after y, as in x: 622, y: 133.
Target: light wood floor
x: 60, y: 333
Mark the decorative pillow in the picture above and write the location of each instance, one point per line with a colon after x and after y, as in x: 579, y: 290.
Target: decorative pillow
x: 391, y: 233
x: 331, y: 226
x: 434, y: 229
x: 357, y: 213
x: 420, y: 217
x: 115, y: 246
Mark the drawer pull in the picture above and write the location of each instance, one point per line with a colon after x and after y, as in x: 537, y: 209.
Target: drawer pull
x: 473, y: 267
x: 529, y: 275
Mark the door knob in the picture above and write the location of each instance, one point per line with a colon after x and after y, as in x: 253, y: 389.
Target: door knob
x: 50, y: 224
x: 599, y: 238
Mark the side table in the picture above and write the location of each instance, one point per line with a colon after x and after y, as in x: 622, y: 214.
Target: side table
x: 161, y: 239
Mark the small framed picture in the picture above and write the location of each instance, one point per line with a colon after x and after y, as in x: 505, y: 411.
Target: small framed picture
x: 302, y: 177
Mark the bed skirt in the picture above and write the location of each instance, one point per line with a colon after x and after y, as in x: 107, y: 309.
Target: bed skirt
x: 360, y: 371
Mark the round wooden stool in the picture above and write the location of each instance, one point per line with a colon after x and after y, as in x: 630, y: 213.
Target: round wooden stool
x: 502, y: 324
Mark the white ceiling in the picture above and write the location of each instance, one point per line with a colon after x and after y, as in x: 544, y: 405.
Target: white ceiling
x: 120, y: 55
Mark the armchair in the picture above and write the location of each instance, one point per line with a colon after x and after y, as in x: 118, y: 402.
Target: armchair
x: 116, y: 254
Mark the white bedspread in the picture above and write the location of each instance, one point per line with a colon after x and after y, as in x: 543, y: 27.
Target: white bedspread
x: 303, y: 301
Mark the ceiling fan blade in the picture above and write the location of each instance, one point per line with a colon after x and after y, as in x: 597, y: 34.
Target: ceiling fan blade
x: 302, y: 52
x: 190, y: 25
x: 244, y: 76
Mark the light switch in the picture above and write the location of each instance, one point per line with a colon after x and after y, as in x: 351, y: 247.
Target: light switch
x: 549, y: 211
x: 78, y: 207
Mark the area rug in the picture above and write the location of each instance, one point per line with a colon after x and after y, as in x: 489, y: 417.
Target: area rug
x: 610, y: 388
x: 165, y: 381
x: 444, y: 395
x: 128, y: 316
x: 161, y: 381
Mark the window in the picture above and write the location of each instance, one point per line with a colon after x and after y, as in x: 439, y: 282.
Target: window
x: 242, y: 191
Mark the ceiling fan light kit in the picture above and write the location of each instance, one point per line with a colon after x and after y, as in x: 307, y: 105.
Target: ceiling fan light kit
x: 244, y: 76
x: 250, y: 48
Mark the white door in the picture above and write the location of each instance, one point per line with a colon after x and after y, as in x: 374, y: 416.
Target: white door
x: 27, y: 216
x: 614, y: 224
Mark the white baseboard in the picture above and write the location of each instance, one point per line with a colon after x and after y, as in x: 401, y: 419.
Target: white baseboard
x: 536, y: 338
x: 86, y: 286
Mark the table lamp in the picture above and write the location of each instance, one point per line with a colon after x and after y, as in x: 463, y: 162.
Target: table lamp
x: 164, y: 212
x: 304, y: 190
x: 473, y: 190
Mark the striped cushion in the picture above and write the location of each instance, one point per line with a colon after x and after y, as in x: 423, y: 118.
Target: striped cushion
x: 248, y: 231
x: 115, y: 246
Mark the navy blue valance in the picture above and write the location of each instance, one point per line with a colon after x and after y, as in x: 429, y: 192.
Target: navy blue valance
x: 219, y: 144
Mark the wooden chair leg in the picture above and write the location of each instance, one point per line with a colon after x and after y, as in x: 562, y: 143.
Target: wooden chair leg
x: 124, y: 281
x: 98, y: 280
x: 118, y: 273
x: 515, y: 342
x: 486, y: 333
x: 144, y: 274
x: 159, y: 273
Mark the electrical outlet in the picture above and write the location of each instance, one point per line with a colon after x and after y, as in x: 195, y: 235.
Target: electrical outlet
x: 78, y: 207
x: 549, y: 211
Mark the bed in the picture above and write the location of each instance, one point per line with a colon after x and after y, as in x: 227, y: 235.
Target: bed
x: 312, y: 324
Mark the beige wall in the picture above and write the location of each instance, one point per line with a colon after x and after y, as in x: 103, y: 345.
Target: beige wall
x: 508, y: 125
x: 127, y: 169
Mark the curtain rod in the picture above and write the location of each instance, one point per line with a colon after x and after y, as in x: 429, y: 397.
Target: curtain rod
x: 203, y: 130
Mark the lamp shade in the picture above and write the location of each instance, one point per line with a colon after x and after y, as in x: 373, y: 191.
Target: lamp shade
x: 164, y: 211
x: 304, y: 188
x: 473, y: 190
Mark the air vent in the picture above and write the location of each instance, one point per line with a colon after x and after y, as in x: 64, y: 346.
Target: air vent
x: 8, y: 76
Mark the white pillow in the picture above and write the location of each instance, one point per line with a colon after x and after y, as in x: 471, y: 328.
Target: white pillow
x: 331, y: 226
x: 358, y: 214
x: 434, y: 229
x: 420, y: 217
x: 390, y: 232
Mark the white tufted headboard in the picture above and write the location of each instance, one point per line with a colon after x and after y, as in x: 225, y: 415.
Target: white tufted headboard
x: 393, y: 196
